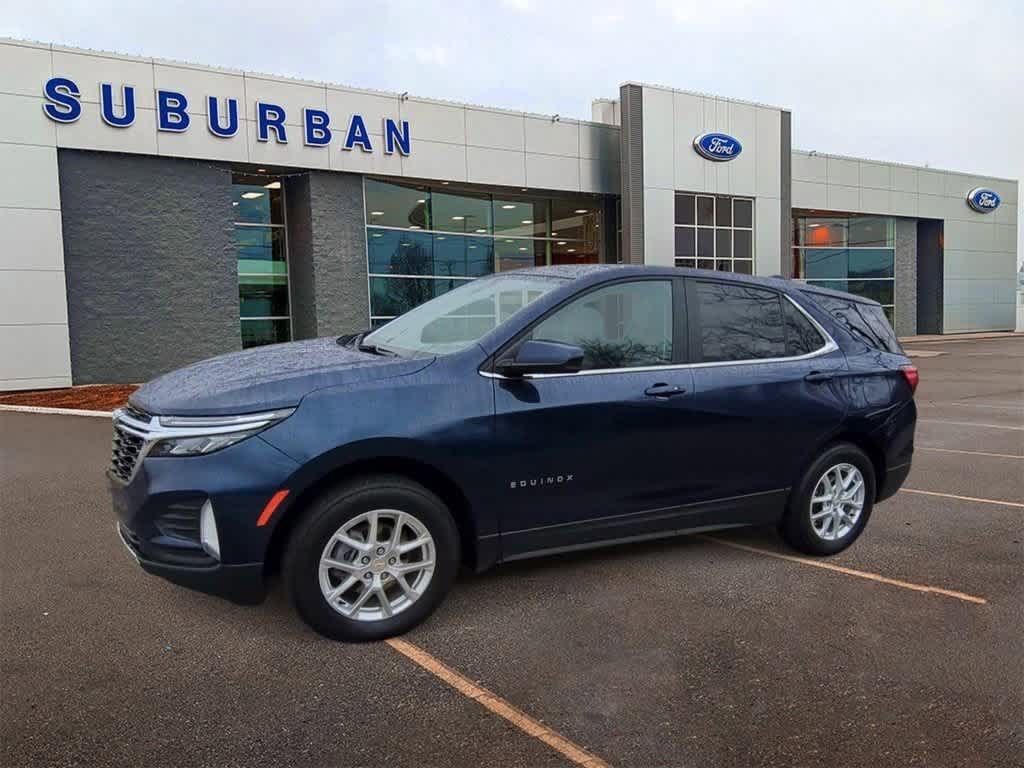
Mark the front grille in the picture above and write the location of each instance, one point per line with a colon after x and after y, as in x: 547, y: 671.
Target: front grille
x: 129, y: 443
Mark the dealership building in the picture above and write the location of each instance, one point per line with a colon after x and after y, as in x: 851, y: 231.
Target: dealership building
x: 158, y: 212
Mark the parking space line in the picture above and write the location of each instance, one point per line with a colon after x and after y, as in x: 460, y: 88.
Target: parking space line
x: 964, y: 498
x: 938, y: 404
x: 970, y: 424
x: 497, y: 705
x: 1018, y: 457
x: 850, y: 571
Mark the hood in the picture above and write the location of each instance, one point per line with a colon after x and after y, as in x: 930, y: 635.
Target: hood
x: 265, y: 378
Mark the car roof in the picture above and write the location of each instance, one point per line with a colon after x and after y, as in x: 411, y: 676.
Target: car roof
x: 596, y: 273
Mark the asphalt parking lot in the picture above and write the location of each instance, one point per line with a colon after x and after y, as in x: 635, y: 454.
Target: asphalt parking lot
x: 906, y: 650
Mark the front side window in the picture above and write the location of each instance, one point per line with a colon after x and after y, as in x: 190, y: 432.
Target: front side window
x: 451, y: 320
x: 625, y: 325
x: 739, y: 323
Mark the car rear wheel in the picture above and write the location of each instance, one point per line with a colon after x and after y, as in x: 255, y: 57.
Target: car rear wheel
x: 371, y: 559
x: 830, y: 506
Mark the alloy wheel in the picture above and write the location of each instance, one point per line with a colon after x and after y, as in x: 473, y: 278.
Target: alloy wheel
x: 837, y: 501
x: 377, y: 565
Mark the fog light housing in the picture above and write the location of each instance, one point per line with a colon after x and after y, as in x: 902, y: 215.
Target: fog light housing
x: 208, y: 531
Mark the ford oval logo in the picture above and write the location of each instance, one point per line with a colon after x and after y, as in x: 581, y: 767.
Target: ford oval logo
x: 717, y: 146
x: 983, y: 200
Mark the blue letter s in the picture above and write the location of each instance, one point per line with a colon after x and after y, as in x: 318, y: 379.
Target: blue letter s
x: 62, y: 100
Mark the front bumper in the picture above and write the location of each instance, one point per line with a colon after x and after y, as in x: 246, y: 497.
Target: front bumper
x: 238, y: 583
x: 159, y: 511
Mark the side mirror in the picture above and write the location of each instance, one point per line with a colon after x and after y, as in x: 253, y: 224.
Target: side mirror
x: 542, y: 357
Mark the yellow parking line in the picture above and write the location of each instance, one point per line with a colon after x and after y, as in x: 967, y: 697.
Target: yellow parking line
x: 971, y: 453
x: 850, y: 571
x: 497, y: 705
x: 970, y: 424
x: 964, y: 498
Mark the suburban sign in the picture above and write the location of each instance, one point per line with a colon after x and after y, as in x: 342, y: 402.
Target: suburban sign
x: 717, y: 146
x: 63, y: 105
x: 983, y: 200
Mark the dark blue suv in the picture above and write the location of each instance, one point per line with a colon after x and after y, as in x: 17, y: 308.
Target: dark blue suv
x: 524, y: 413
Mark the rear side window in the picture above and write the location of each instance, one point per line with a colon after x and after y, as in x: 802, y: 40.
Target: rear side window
x: 866, y: 322
x: 624, y: 325
x: 802, y: 337
x: 739, y: 323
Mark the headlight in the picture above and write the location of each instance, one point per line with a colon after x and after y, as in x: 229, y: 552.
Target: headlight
x: 199, y: 435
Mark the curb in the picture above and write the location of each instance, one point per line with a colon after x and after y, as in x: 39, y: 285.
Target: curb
x: 56, y: 411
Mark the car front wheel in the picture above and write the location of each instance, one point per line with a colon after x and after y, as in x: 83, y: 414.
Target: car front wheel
x: 371, y: 559
x: 830, y: 506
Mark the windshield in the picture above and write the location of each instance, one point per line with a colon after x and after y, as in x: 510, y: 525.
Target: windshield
x: 456, y: 319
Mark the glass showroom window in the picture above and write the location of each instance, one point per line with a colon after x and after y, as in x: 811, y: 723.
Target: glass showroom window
x: 848, y: 253
x: 715, y: 232
x: 424, y: 240
x: 264, y: 305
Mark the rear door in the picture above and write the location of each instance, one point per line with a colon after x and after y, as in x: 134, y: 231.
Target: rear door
x: 586, y: 455
x: 766, y: 389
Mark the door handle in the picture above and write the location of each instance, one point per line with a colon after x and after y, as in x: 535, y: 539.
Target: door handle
x: 818, y: 376
x: 664, y: 391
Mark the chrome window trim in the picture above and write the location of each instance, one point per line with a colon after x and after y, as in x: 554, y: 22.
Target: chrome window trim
x: 829, y: 346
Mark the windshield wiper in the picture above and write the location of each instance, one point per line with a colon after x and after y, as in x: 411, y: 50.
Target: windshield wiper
x: 375, y: 350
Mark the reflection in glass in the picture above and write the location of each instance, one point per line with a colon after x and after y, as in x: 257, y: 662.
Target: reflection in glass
x: 263, y: 295
x: 256, y: 333
x: 521, y: 217
x: 623, y: 325
x: 685, y: 207
x: 686, y: 242
x: 742, y: 244
x: 723, y: 212
x: 517, y: 254
x: 705, y: 243
x: 723, y: 243
x: 743, y: 213
x: 463, y: 212
x: 394, y: 296
x: 739, y: 323
x: 254, y: 203
x: 260, y: 250
x: 397, y: 205
x: 706, y: 211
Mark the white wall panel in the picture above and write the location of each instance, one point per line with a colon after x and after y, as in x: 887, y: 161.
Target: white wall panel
x: 904, y: 179
x: 88, y: 70
x: 25, y: 68
x: 32, y: 297
x: 90, y: 132
x: 931, y: 182
x: 30, y: 239
x: 843, y: 198
x: 810, y: 168
x: 807, y: 194
x: 24, y: 121
x: 436, y: 160
x: 293, y: 153
x: 35, y: 168
x: 198, y: 142
x: 659, y: 139
x: 291, y: 95
x: 357, y: 161
x: 197, y: 84
x: 767, y: 154
x: 843, y: 172
x: 435, y: 122
x: 875, y: 175
x: 495, y: 130
x: 31, y: 354
x: 599, y: 141
x: 495, y: 166
x: 659, y: 227
x: 342, y: 104
x: 875, y: 200
x: 767, y: 223
x: 551, y: 171
x: 545, y: 136
x: 599, y: 176
x: 688, y: 114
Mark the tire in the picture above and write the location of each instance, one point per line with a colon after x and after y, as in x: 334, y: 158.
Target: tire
x: 810, y: 527
x: 358, y: 612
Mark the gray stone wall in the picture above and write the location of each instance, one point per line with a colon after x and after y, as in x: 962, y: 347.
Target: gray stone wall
x: 327, y: 253
x: 149, y: 254
x: 906, y: 277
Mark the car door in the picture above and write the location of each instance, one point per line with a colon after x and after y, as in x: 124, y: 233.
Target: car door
x: 592, y: 455
x: 766, y: 391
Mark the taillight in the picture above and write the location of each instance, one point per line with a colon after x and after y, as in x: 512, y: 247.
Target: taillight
x: 911, y: 375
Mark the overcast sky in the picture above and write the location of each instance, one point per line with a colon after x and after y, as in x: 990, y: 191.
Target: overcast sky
x: 937, y: 82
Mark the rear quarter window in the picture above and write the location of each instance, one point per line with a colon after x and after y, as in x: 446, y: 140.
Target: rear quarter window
x: 866, y: 322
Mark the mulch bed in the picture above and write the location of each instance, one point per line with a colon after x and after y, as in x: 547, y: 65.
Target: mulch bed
x: 94, y: 397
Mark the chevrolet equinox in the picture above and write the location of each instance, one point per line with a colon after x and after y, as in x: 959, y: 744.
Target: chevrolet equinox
x: 524, y: 413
